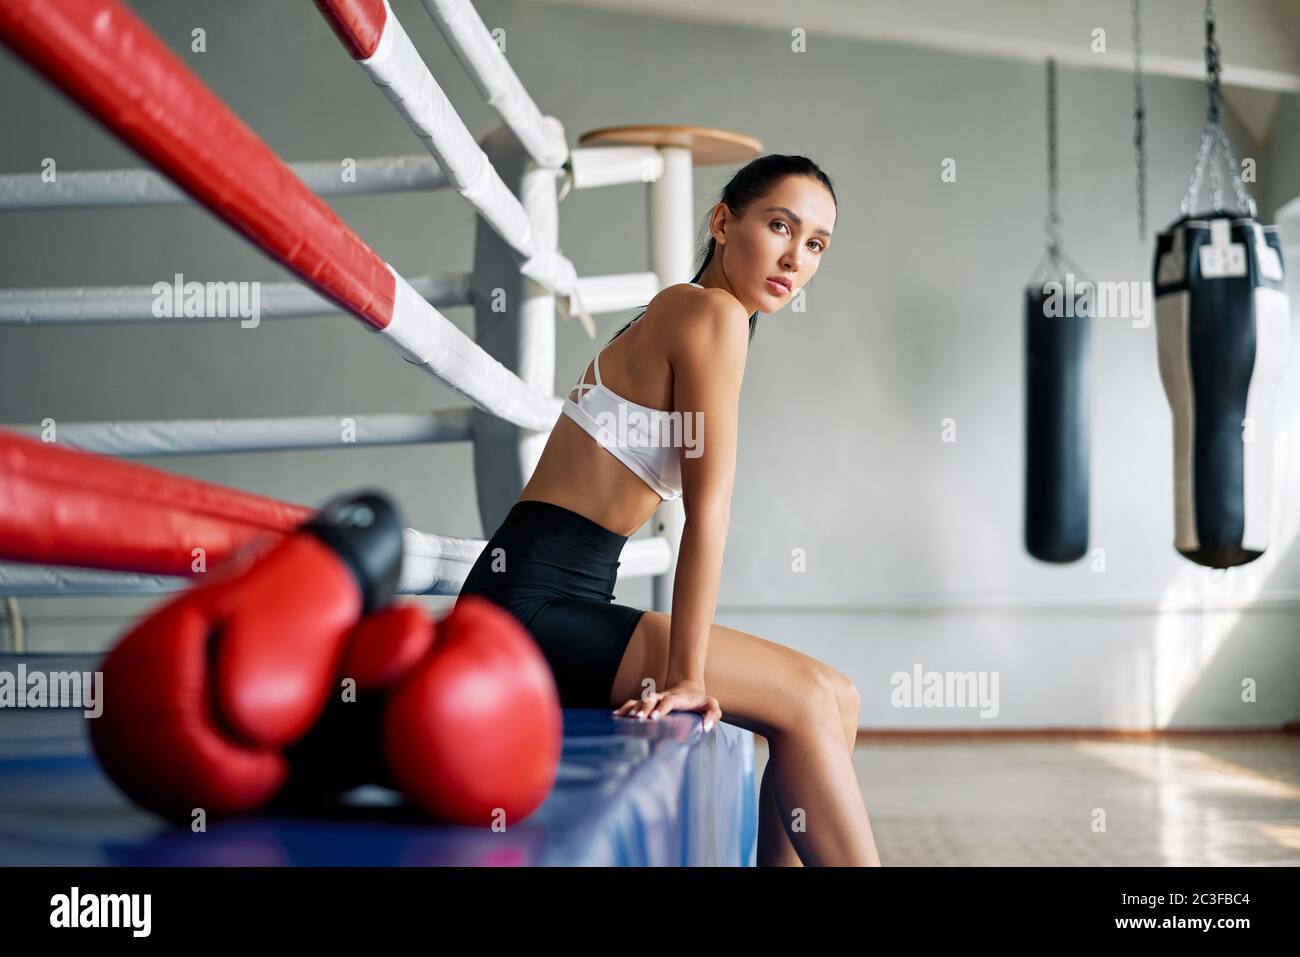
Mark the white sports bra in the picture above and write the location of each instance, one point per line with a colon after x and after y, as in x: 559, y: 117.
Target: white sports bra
x: 649, y: 444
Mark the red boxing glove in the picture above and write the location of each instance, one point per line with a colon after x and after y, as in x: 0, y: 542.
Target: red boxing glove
x: 202, y: 696
x: 476, y: 729
x: 462, y: 715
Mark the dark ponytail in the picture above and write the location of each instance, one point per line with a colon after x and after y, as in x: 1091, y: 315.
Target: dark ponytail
x: 753, y: 180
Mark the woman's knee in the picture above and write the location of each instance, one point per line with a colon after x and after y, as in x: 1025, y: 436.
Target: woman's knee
x: 809, y: 699
x: 847, y: 697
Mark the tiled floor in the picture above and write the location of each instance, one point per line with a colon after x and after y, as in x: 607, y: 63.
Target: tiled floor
x: 1206, y: 800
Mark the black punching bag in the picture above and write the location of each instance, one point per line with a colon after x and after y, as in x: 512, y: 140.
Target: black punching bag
x: 1056, y: 423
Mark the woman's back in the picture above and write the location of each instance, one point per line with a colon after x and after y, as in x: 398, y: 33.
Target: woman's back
x: 575, y: 471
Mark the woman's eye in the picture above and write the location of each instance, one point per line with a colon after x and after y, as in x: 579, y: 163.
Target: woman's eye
x: 820, y: 245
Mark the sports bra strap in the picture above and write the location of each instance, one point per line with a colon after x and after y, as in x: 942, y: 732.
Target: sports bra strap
x: 582, y: 388
x: 595, y: 363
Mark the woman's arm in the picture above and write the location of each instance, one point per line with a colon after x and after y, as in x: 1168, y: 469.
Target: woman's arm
x: 708, y: 360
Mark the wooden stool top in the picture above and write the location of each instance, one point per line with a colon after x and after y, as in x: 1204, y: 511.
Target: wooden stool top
x: 708, y: 146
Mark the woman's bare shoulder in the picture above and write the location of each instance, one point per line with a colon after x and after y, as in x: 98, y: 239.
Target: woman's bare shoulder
x: 685, y: 300
x: 677, y: 292
x: 690, y: 318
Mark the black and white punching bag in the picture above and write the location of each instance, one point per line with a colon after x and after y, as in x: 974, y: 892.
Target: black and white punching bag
x: 1222, y: 321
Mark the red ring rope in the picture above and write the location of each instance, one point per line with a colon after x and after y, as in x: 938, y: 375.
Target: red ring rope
x: 65, y: 507
x: 358, y: 23
x: 109, y: 61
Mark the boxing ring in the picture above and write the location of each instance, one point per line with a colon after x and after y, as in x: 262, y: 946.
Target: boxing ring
x: 75, y: 520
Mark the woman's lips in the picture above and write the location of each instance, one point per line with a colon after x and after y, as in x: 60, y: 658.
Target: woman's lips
x: 776, y: 287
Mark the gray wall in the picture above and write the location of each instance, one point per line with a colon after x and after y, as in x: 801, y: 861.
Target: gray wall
x: 913, y: 545
x: 1284, y: 157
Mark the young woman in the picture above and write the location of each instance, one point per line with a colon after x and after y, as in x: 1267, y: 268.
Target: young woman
x: 554, y: 560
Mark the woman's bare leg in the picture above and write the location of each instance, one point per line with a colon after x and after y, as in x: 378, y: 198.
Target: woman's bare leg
x: 800, y: 706
x: 774, y: 847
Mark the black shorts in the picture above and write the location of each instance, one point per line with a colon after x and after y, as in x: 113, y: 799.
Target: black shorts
x: 554, y: 570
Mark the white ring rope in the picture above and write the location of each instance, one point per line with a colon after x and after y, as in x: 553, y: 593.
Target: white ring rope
x: 466, y: 33
x: 283, y: 300
x: 286, y: 433
x: 431, y: 565
x: 397, y: 68
x: 140, y: 187
x: 592, y: 166
x: 427, y: 338
x: 277, y: 300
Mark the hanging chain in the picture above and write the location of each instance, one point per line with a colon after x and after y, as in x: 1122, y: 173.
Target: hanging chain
x: 1214, y: 115
x: 1213, y: 63
x: 1139, y: 121
x: 1055, y: 262
x: 1052, y: 226
x: 1214, y: 141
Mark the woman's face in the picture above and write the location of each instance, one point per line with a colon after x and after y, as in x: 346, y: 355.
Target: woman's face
x: 782, y: 236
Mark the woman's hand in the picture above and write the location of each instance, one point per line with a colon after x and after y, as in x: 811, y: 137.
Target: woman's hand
x: 684, y: 696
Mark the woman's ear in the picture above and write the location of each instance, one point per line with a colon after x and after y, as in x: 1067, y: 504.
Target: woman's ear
x: 718, y: 223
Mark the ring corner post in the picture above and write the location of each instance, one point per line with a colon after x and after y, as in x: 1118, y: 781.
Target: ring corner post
x: 670, y: 199
x: 514, y: 322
